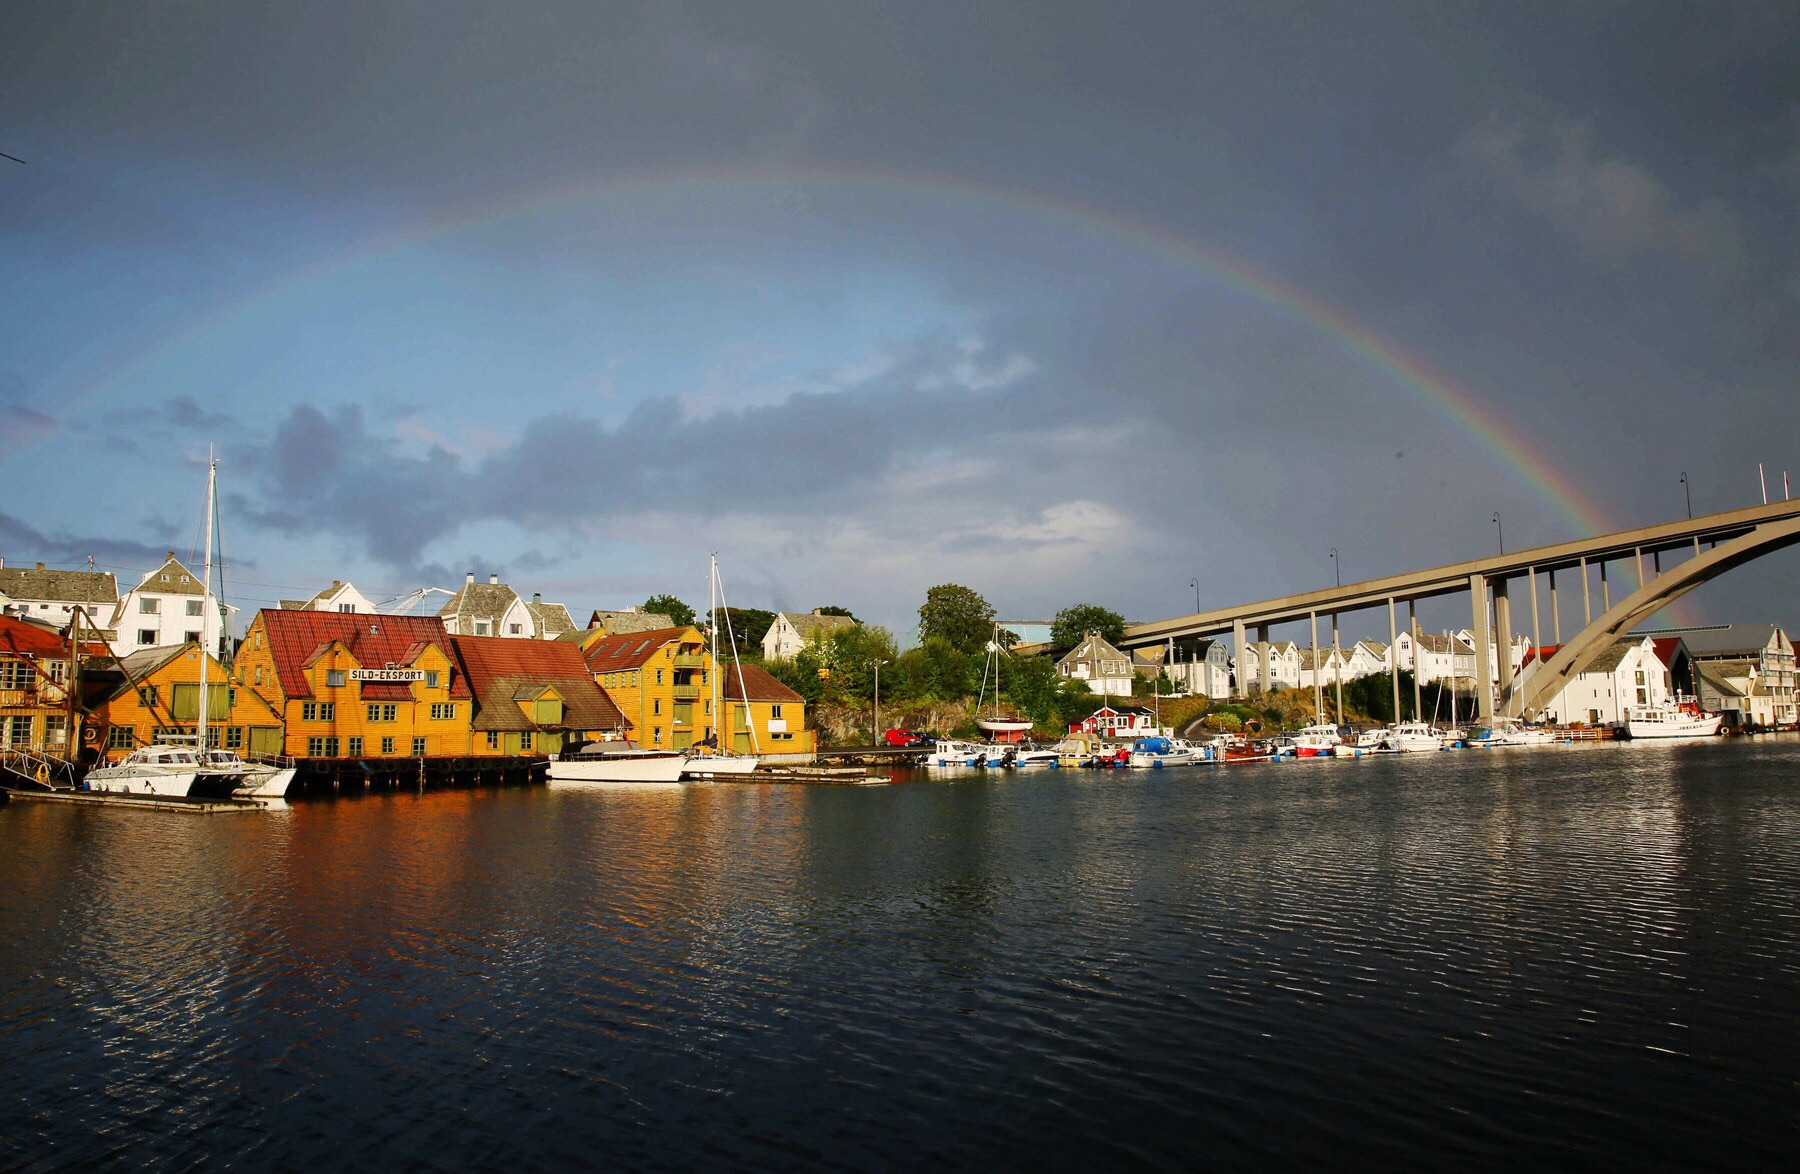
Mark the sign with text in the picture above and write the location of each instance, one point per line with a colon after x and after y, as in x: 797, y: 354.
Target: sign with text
x: 387, y: 676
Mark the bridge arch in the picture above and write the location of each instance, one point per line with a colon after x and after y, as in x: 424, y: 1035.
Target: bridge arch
x: 1541, y: 686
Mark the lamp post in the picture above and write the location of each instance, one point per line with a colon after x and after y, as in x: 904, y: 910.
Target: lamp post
x: 1195, y: 584
x: 1500, y: 530
x: 1687, y: 493
x: 1337, y: 569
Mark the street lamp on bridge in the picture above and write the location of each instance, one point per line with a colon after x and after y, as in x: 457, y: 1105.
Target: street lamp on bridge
x: 1687, y: 493
x: 1337, y: 568
x: 1501, y: 530
x: 1195, y: 584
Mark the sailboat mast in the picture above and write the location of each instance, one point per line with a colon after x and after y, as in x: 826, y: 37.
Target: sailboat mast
x: 712, y: 617
x: 212, y: 482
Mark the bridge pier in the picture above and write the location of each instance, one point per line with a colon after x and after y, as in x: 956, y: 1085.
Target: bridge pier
x: 1262, y: 659
x: 1484, y: 694
x: 1503, y: 639
x: 1237, y: 637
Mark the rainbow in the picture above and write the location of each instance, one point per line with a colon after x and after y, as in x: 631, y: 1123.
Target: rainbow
x: 1433, y: 390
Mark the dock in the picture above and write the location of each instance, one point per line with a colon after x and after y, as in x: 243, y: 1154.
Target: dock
x: 171, y: 803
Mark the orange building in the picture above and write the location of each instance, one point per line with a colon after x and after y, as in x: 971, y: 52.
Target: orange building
x: 763, y: 716
x: 659, y: 681
x: 154, y: 694
x: 530, y: 695
x: 359, y: 685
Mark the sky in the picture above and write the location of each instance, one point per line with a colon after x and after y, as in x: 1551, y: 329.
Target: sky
x: 1064, y: 302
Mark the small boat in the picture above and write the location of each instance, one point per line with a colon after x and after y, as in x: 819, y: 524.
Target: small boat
x: 1238, y: 749
x: 712, y: 763
x: 1409, y: 737
x: 952, y: 753
x: 1033, y: 754
x: 1375, y: 741
x: 1682, y: 718
x: 621, y: 761
x: 1159, y: 752
x: 1510, y: 731
x: 1316, y: 741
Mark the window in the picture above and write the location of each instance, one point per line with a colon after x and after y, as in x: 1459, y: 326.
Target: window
x: 14, y: 674
x: 257, y: 676
x: 418, y: 747
x: 483, y: 628
x: 382, y: 711
x: 120, y: 738
x: 18, y: 730
x: 516, y: 629
x: 257, y: 642
x: 355, y: 746
x: 443, y: 711
x: 525, y: 740
x: 493, y: 739
x: 56, y: 729
x: 334, y: 678
x: 1640, y: 676
x: 318, y: 711
x: 322, y: 746
x: 148, y: 606
x: 234, y: 737
x: 656, y: 735
x: 775, y: 711
x: 659, y: 674
x: 193, y: 607
x: 191, y: 637
x: 148, y: 696
x: 146, y: 635
x: 431, y: 678
x: 387, y: 745
x: 58, y: 670
x: 656, y: 705
x: 346, y: 607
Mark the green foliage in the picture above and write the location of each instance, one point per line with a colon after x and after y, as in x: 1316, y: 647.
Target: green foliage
x: 672, y: 607
x: 849, y: 654
x: 957, y: 615
x: 801, y: 678
x: 749, y: 625
x: 1072, y: 624
x: 837, y: 611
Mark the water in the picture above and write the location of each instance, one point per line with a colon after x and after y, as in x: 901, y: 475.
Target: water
x: 1566, y: 955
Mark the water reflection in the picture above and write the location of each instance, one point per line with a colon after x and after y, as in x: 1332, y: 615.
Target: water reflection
x: 1582, y: 953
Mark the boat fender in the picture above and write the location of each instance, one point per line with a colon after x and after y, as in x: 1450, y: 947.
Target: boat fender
x: 43, y: 772
x: 1156, y: 765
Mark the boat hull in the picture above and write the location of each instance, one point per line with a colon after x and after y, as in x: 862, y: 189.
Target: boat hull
x: 1683, y: 726
x: 619, y: 769
x: 713, y: 765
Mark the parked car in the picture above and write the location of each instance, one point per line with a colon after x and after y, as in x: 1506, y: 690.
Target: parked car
x: 906, y: 738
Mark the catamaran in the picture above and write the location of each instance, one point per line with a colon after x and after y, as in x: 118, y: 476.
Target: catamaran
x: 710, y: 758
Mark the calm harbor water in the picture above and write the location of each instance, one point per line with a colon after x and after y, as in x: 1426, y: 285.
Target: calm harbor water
x: 1568, y: 955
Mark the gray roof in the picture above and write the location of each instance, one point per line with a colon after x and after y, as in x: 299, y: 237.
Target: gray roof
x: 480, y: 601
x: 1727, y: 640
x: 59, y: 586
x: 1095, y: 647
x: 1716, y: 675
x: 171, y: 579
x: 807, y: 624
x: 618, y: 623
x: 1613, y: 657
x: 552, y: 618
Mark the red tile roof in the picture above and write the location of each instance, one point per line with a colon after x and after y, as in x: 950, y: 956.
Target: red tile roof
x: 628, y: 650
x: 757, y: 683
x: 502, y: 670
x: 375, y: 641
x: 23, y: 639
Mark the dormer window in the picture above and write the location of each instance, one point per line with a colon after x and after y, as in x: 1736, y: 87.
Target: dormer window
x: 431, y: 678
x: 483, y: 628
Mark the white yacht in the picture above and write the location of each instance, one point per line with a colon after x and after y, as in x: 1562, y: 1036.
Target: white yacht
x: 1680, y: 719
x: 622, y: 761
x: 1159, y: 751
x: 1414, y: 736
x: 950, y: 753
x: 171, y: 771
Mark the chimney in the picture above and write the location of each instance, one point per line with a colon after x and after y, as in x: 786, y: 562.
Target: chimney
x: 817, y: 611
x: 171, y: 556
x: 335, y: 584
x: 40, y: 566
x: 537, y: 597
x: 469, y: 577
x: 495, y: 579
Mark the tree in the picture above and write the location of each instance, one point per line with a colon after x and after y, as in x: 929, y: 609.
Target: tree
x: 957, y: 615
x: 1072, y: 624
x: 748, y: 625
x: 837, y: 611
x: 668, y: 605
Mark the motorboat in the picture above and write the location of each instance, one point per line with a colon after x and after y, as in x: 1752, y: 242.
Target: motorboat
x: 1408, y: 737
x: 1375, y: 741
x: 1239, y: 749
x: 712, y: 764
x: 1032, y: 754
x: 952, y: 753
x: 1159, y: 752
x: 1682, y: 718
x: 1510, y: 731
x: 620, y: 761
x: 1316, y: 741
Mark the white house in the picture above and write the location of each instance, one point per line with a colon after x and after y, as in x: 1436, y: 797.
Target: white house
x: 1205, y: 671
x: 790, y: 632
x: 1284, y: 667
x: 488, y: 609
x: 168, y: 606
x: 1333, y: 667
x: 53, y: 596
x: 1767, y: 647
x: 1627, y: 674
x: 340, y: 597
x: 552, y: 619
x: 1104, y: 669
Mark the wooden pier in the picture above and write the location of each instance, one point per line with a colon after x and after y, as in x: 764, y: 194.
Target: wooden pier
x: 171, y: 803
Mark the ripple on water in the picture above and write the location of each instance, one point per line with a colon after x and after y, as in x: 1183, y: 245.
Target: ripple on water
x: 1579, y: 954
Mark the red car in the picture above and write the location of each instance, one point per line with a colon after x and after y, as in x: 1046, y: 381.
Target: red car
x: 905, y: 738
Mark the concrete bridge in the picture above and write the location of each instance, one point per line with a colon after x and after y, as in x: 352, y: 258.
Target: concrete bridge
x: 1681, y: 556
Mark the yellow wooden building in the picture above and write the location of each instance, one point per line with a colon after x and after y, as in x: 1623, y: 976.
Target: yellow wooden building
x: 154, y: 695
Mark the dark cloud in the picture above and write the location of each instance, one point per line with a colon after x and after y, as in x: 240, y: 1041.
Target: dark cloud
x: 23, y: 542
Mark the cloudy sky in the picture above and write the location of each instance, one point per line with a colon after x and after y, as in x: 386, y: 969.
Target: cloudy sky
x: 1065, y: 302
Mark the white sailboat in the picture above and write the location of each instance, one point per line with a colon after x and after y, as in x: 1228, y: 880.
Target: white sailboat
x: 707, y: 761
x: 201, y: 770
x: 996, y: 725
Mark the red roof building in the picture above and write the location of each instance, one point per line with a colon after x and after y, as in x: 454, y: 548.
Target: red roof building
x: 760, y: 703
x: 531, y: 694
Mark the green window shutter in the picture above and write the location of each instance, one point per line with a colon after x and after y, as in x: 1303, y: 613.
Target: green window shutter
x: 548, y: 711
x: 265, y: 739
x: 186, y: 703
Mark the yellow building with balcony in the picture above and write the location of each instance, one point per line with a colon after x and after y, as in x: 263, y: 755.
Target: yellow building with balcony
x: 660, y: 680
